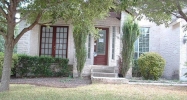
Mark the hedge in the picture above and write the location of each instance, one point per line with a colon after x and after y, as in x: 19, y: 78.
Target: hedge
x: 35, y: 66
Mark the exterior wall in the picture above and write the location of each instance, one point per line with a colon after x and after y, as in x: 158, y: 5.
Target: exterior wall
x: 23, y: 44
x: 170, y: 50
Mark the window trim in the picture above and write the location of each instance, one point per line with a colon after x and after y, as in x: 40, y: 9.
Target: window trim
x: 113, y: 41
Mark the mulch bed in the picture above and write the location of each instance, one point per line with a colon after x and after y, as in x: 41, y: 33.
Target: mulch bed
x: 53, y: 82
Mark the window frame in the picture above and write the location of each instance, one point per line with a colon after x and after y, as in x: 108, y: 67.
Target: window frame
x: 113, y: 41
x: 54, y: 39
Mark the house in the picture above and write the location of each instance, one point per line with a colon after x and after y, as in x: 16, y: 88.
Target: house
x: 57, y: 41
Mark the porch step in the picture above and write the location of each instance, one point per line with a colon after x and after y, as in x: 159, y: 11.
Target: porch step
x: 100, y: 74
x: 103, y: 72
x: 109, y: 80
x: 106, y: 74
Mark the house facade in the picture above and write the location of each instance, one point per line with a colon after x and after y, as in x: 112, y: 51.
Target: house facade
x: 57, y: 41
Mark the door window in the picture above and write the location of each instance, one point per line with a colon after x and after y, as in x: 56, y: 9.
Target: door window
x: 101, y: 43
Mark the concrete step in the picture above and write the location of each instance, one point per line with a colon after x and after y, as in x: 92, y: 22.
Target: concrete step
x: 103, y: 70
x: 99, y: 74
x: 109, y: 80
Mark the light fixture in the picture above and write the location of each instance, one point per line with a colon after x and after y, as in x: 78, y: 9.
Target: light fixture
x: 184, y: 38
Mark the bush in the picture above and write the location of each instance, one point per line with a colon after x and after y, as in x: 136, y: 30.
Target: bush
x: 151, y: 65
x: 41, y: 66
x: 14, y: 62
x: 136, y: 69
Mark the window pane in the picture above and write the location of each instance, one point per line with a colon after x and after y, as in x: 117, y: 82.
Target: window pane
x: 64, y: 46
x: 65, y: 29
x: 65, y: 40
x: 61, y: 30
x: 61, y: 35
x: 64, y: 51
x: 65, y: 35
x: 58, y: 29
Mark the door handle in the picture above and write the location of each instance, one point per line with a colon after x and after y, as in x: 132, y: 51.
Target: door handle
x: 95, y: 54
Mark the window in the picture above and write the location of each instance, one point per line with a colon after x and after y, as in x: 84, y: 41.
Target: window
x: 113, y: 41
x: 142, y: 43
x: 53, y: 41
x: 89, y: 45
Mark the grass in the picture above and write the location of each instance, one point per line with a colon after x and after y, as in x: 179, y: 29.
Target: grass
x: 95, y: 92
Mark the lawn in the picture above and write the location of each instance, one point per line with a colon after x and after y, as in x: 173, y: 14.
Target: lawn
x: 95, y: 92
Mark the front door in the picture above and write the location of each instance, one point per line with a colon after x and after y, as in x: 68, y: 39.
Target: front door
x: 101, y: 48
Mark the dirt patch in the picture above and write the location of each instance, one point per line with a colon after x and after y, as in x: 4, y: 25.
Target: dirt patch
x: 53, y: 82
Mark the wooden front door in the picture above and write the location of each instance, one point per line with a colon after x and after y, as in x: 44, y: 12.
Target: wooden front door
x: 101, y: 48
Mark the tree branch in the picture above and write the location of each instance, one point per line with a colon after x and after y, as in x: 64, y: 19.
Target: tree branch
x: 180, y: 10
x: 28, y: 28
x: 128, y: 12
x: 50, y: 22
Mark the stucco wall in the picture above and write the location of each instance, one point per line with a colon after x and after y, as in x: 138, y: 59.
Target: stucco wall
x: 23, y: 44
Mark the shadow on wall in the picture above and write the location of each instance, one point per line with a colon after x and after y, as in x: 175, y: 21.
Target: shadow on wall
x: 175, y: 75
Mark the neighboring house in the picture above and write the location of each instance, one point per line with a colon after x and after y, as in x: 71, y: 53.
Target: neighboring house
x: 57, y: 41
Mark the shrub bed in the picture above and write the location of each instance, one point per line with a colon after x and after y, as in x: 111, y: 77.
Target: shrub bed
x: 151, y: 65
x: 34, y: 66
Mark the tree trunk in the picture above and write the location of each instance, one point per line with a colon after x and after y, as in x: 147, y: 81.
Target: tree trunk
x: 5, y: 80
x: 9, y: 45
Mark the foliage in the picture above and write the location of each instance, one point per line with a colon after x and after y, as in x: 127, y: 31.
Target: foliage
x: 80, y: 49
x: 1, y: 44
x: 136, y: 69
x: 35, y: 66
x: 163, y: 10
x: 82, y: 19
x: 151, y: 65
x: 14, y: 62
x: 130, y: 34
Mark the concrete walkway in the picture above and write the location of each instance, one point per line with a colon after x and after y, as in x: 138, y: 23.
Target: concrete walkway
x: 161, y: 84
